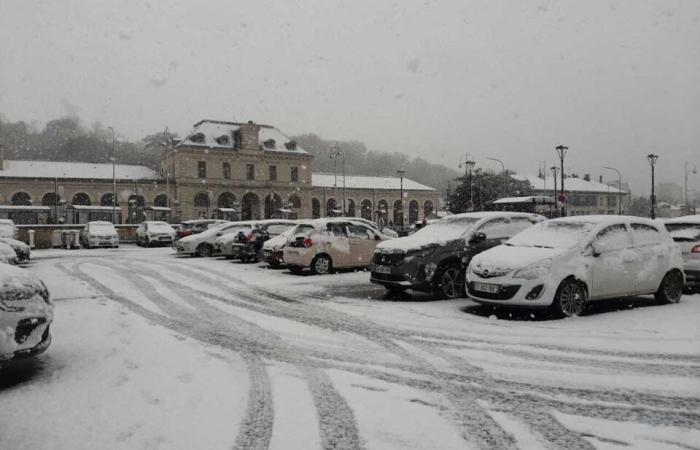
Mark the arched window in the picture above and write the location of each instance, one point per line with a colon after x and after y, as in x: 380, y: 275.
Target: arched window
x: 106, y: 199
x: 161, y: 200
x: 413, y: 212
x: 427, y: 208
x: 350, y: 205
x: 50, y: 199
x: 21, y: 199
x: 250, y: 207
x: 295, y: 202
x: 366, y: 209
x: 273, y: 203
x: 226, y: 200
x: 382, y: 212
x: 81, y: 198
x: 201, y: 200
x: 331, y: 208
x: 198, y: 138
x: 315, y: 208
x: 398, y: 213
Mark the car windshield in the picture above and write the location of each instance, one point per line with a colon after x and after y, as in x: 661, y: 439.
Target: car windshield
x: 160, y: 227
x: 448, y: 229
x: 552, y: 235
x: 102, y: 228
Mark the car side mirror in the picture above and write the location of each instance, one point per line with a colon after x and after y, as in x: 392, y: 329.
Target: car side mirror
x: 477, y: 237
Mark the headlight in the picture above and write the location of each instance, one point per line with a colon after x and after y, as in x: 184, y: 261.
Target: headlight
x: 536, y: 270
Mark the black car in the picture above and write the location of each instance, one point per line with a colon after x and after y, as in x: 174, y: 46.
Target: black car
x: 434, y: 258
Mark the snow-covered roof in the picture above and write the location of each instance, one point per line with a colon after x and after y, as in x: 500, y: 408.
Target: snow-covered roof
x: 611, y: 219
x: 157, y: 208
x: 530, y: 199
x: 328, y: 180
x: 25, y: 207
x: 81, y: 170
x: 570, y: 184
x: 684, y: 219
x: 93, y: 208
x: 219, y: 134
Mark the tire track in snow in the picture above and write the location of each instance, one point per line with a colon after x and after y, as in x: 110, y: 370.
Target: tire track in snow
x: 256, y: 427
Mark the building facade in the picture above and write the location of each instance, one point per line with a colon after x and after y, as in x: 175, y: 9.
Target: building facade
x: 221, y: 169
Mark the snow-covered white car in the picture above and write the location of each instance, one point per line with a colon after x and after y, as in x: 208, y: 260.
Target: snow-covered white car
x: 7, y: 254
x: 223, y: 245
x: 202, y: 244
x: 99, y: 234
x: 22, y: 250
x: 25, y: 314
x: 565, y: 263
x: 273, y: 248
x: 154, y: 232
x: 8, y: 229
x: 434, y: 257
x: 685, y: 231
x: 247, y: 245
x: 326, y: 244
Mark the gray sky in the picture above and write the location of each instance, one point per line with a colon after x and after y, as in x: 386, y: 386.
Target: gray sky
x: 613, y: 80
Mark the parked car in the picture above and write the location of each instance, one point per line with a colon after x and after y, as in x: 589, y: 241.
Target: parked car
x: 26, y: 313
x: 386, y: 231
x: 196, y: 226
x: 7, y: 254
x: 273, y: 248
x: 22, y: 250
x: 247, y: 244
x: 326, y: 244
x: 153, y: 232
x: 99, y: 234
x: 202, y: 244
x: 685, y: 231
x: 434, y: 258
x: 565, y: 263
x: 224, y: 243
x: 8, y: 229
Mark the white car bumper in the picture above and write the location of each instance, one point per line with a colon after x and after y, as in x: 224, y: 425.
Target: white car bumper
x: 509, y: 291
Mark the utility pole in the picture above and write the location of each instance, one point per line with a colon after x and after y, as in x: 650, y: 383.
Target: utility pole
x: 555, y: 170
x: 114, y: 178
x: 401, y: 172
x: 652, y: 158
x: 619, y: 188
x: 561, y: 151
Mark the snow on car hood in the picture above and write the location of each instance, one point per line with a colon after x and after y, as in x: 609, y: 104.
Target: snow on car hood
x: 16, y: 282
x: 413, y: 242
x: 277, y: 242
x: 504, y: 258
x: 14, y: 243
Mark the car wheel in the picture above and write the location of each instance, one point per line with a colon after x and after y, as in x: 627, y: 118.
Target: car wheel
x: 204, y: 250
x: 570, y: 299
x: 321, y: 265
x: 449, y: 282
x: 671, y: 288
x: 295, y: 269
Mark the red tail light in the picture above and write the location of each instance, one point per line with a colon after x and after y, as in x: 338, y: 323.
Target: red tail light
x: 308, y: 242
x: 695, y: 249
x: 185, y: 233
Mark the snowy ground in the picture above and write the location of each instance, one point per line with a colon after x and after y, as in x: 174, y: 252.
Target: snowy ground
x: 156, y: 351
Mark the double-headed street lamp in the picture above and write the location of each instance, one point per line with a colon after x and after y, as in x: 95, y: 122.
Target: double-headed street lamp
x: 619, y: 188
x: 652, y: 158
x: 561, y: 152
x: 401, y: 172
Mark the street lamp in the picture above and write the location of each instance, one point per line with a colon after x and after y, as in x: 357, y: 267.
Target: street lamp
x: 695, y: 170
x: 114, y: 178
x: 555, y: 171
x: 619, y: 188
x: 561, y: 151
x: 503, y: 172
x: 401, y: 172
x: 652, y: 161
x: 334, y: 155
x: 468, y: 166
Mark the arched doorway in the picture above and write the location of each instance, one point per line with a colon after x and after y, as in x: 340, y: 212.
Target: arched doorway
x: 398, y: 214
x: 412, y: 212
x: 315, y: 208
x: 106, y: 200
x: 161, y: 200
x: 136, y: 205
x: 250, y: 207
x: 21, y: 199
x: 294, y: 204
x: 50, y: 199
x: 226, y: 200
x: 350, y: 205
x: 427, y: 208
x: 382, y: 213
x: 81, y: 198
x: 201, y: 205
x: 366, y: 209
x: 273, y: 204
x: 331, y: 207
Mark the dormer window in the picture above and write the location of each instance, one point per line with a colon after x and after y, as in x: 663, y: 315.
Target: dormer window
x: 198, y: 138
x: 222, y: 140
x: 270, y: 144
x: 291, y: 145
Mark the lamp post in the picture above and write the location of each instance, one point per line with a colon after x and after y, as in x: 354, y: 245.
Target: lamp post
x: 561, y: 152
x: 619, y: 188
x: 652, y: 158
x: 335, y: 155
x: 401, y: 172
x: 114, y: 178
x: 555, y: 170
x: 468, y: 166
x: 503, y: 173
x: 685, y: 172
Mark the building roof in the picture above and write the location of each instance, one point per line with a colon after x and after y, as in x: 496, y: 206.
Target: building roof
x: 89, y: 171
x: 537, y: 199
x: 213, y: 130
x: 327, y: 180
x: 570, y: 184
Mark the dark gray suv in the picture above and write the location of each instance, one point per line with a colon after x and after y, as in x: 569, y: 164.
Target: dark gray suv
x: 434, y: 257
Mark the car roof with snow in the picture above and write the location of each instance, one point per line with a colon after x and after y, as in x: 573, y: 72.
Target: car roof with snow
x: 684, y: 219
x: 605, y: 219
x: 488, y: 215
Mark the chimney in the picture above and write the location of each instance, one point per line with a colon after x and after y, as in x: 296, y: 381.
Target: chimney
x: 2, y: 157
x: 587, y: 177
x: 249, y: 136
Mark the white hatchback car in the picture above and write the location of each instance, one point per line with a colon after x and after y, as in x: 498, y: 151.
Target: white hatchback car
x: 686, y: 232
x: 154, y: 232
x: 564, y: 263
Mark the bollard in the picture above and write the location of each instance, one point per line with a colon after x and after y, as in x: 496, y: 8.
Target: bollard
x: 32, y: 238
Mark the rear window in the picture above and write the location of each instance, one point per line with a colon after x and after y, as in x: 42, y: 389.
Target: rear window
x: 277, y: 229
x: 160, y: 227
x: 102, y: 228
x: 303, y: 230
x: 689, y: 231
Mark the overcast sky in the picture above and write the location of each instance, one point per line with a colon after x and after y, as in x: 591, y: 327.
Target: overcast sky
x: 613, y: 80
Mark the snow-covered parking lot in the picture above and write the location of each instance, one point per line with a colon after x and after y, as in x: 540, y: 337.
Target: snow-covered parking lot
x: 151, y: 350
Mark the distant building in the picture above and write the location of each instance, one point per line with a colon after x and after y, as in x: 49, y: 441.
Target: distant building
x: 221, y: 169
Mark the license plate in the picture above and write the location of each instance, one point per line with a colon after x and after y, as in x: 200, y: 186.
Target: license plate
x: 485, y: 287
x: 382, y: 269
